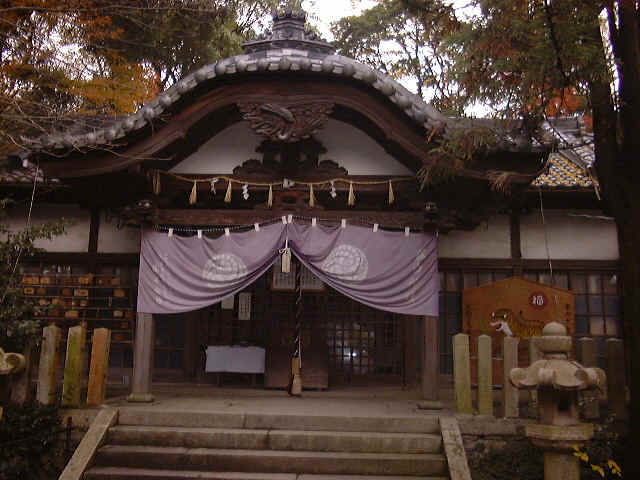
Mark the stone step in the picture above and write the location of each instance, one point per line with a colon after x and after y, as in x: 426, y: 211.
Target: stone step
x: 221, y: 460
x: 207, y: 419
x: 300, y: 440
x: 120, y: 473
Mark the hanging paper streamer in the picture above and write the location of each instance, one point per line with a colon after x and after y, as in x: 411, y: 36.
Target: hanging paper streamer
x: 333, y: 192
x: 193, y: 198
x: 245, y: 191
x: 351, y: 201
x: 227, y: 197
x: 213, y: 185
x: 312, y: 197
x: 270, y: 198
x: 156, y: 182
x: 392, y: 197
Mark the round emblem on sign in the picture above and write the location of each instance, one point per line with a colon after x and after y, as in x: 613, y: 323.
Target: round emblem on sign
x: 538, y: 300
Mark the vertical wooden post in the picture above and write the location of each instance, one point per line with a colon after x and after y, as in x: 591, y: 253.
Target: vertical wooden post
x: 534, y: 356
x: 431, y: 359
x: 47, y: 370
x: 588, y: 357
x: 485, y: 376
x: 462, y: 373
x: 616, y: 389
x: 510, y: 361
x: 73, y: 367
x: 99, y: 368
x: 142, y: 359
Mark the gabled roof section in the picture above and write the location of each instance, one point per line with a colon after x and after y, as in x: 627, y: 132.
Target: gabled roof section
x: 290, y: 49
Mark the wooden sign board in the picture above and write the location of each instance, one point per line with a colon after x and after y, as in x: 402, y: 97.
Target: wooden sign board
x: 514, y: 307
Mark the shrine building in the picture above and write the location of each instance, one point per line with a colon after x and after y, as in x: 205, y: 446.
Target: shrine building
x: 271, y: 205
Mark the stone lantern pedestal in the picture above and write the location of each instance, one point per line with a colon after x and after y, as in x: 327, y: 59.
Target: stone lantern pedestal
x: 557, y: 381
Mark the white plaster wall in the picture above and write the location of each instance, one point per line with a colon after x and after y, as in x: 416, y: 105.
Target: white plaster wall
x: 348, y: 146
x: 489, y: 240
x: 75, y: 240
x: 356, y: 151
x: 112, y: 240
x: 221, y: 154
x: 570, y: 237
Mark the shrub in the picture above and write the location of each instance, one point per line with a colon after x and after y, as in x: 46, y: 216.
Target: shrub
x: 30, y: 442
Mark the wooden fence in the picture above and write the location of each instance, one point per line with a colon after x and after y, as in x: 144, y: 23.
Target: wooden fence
x: 482, y: 366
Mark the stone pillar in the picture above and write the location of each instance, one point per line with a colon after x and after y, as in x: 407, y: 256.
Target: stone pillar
x: 588, y: 356
x: 99, y: 368
x: 431, y: 360
x: 559, y: 465
x: 142, y: 359
x: 73, y: 366
x: 616, y: 385
x: 485, y: 376
x: 510, y: 361
x: 47, y: 370
x: 462, y: 373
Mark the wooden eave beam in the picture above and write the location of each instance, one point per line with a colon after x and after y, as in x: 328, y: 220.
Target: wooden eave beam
x: 203, y: 218
x: 389, y: 122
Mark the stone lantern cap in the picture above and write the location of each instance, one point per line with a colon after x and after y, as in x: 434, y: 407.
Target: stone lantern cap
x: 555, y: 370
x: 11, y: 363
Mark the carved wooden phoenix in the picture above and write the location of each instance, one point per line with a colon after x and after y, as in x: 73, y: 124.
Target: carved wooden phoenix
x: 290, y: 123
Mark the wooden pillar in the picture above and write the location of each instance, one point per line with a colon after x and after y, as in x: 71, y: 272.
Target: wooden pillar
x: 142, y: 359
x: 516, y: 244
x: 587, y: 353
x: 534, y: 355
x: 462, y: 373
x: 616, y: 388
x: 485, y: 376
x: 94, y: 232
x: 510, y: 361
x: 431, y: 359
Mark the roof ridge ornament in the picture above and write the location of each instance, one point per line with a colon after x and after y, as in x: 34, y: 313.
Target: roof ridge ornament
x: 289, y: 31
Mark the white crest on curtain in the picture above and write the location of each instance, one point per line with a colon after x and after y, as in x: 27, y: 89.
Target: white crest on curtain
x: 224, y: 267
x: 347, y: 262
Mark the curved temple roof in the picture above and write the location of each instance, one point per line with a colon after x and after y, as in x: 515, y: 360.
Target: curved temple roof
x: 289, y: 49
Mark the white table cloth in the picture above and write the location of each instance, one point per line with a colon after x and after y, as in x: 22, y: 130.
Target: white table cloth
x: 235, y: 359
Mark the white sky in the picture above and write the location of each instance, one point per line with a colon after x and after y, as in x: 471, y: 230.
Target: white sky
x: 326, y: 11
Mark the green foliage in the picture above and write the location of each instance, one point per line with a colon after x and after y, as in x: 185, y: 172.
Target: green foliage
x: 17, y: 322
x: 62, y: 61
x: 519, y: 57
x: 30, y: 442
x: 394, y: 40
x: 601, y: 456
x: 524, y: 461
x: 518, y: 459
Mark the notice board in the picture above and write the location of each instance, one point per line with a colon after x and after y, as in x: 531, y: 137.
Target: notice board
x: 514, y: 307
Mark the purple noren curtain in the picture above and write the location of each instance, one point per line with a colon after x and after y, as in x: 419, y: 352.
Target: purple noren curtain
x: 386, y: 270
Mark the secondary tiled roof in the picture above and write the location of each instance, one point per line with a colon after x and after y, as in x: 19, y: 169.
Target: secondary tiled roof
x: 23, y: 176
x: 563, y: 172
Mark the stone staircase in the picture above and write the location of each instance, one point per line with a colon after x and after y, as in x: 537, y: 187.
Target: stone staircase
x: 158, y: 445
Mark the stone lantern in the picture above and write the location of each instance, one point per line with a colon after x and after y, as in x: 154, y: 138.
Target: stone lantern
x: 558, y: 381
x: 10, y: 363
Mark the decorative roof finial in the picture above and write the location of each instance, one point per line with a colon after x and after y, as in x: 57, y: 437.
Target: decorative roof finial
x: 289, y: 31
